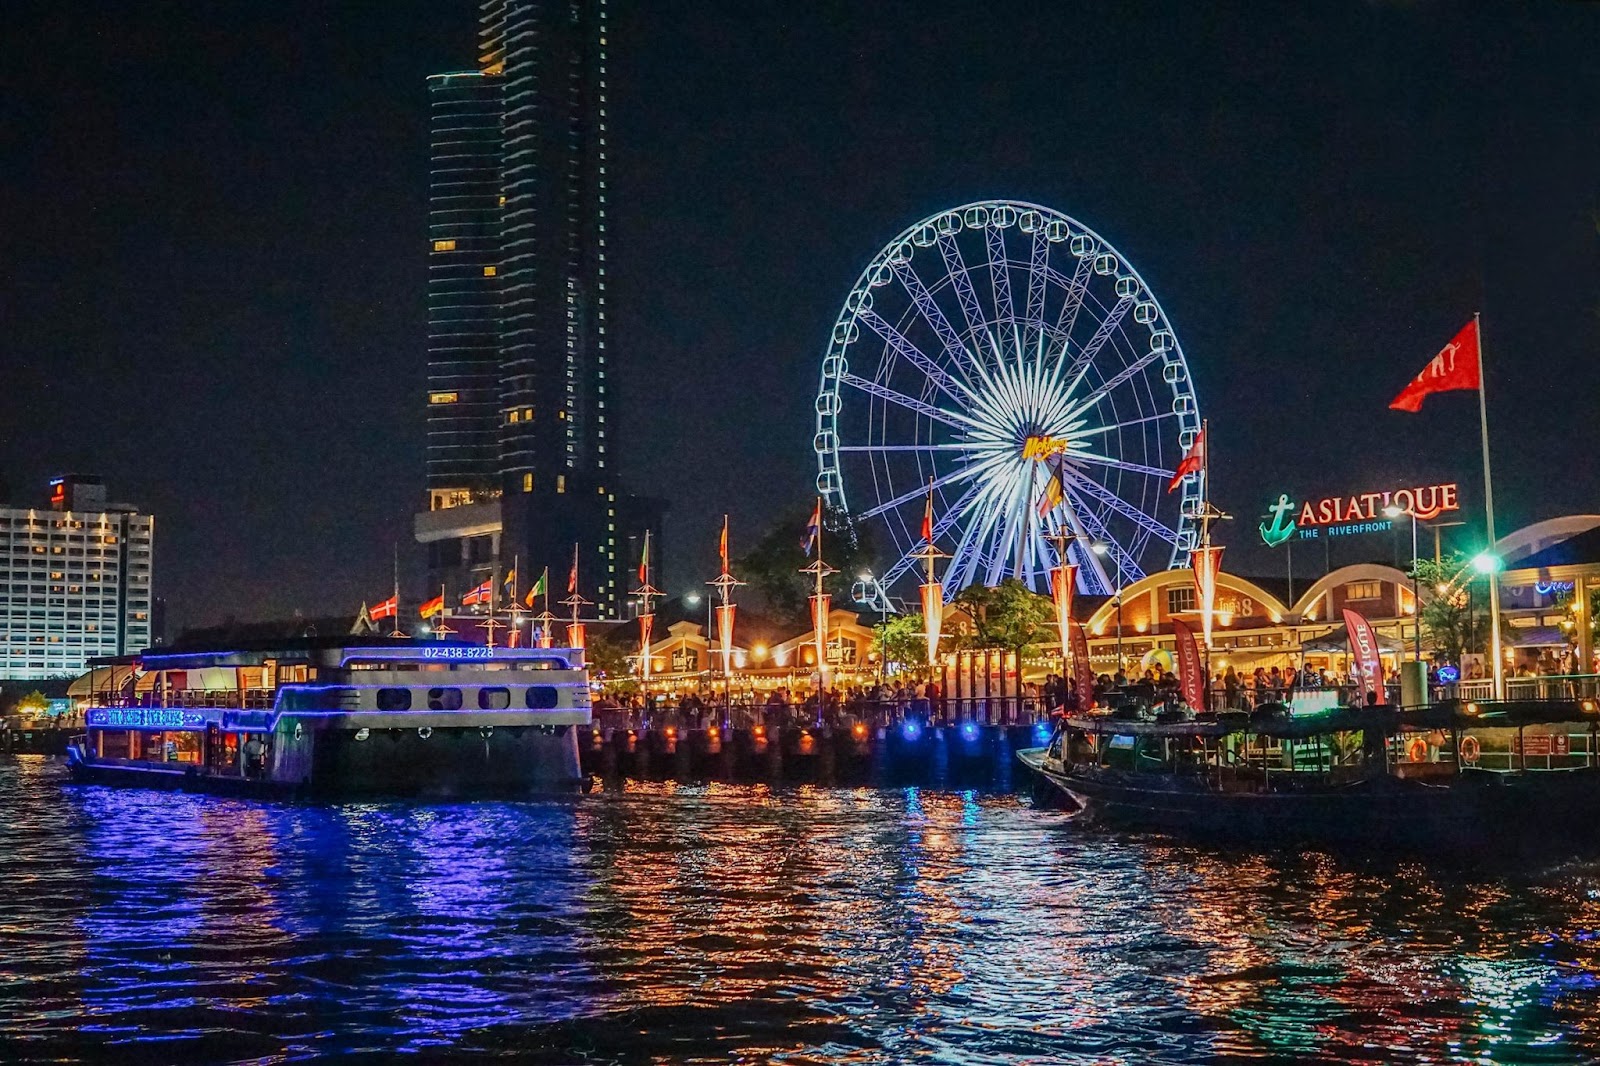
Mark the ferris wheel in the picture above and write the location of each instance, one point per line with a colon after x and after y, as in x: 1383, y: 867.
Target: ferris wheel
x: 1011, y: 358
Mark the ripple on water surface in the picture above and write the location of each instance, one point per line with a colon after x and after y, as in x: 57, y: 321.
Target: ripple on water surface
x: 717, y: 923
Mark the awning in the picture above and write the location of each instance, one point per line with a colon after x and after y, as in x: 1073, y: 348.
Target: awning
x: 1337, y: 642
x: 99, y: 679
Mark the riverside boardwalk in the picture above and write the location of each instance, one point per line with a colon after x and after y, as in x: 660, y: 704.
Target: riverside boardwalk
x: 742, y: 745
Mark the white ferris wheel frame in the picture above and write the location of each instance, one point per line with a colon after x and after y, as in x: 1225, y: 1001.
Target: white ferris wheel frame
x: 975, y: 381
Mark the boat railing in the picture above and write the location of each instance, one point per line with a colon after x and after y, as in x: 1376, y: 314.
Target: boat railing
x: 246, y: 699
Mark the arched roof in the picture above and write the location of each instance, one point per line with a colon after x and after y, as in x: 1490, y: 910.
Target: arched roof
x: 1167, y: 578
x: 1540, y: 535
x: 1344, y: 575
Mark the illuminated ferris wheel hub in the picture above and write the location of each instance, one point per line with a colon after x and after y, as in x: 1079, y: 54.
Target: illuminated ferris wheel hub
x: 1011, y: 358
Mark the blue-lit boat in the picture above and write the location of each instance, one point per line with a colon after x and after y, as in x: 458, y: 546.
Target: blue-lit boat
x: 1464, y: 777
x: 317, y: 717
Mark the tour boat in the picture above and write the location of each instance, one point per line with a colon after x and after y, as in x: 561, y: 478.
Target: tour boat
x: 1456, y: 776
x: 334, y: 716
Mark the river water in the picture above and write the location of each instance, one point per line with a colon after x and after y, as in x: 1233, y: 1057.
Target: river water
x: 720, y: 923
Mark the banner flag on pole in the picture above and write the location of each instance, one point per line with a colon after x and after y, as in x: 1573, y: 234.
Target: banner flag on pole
x: 1457, y: 366
x: 819, y: 622
x: 1364, y: 655
x: 575, y: 635
x: 646, y: 621
x: 722, y: 544
x: 1191, y: 676
x: 725, y: 636
x: 1063, y: 583
x: 1207, y: 561
x: 933, y: 617
x: 1081, y: 668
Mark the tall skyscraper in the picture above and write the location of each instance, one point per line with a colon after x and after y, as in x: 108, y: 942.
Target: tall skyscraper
x: 519, y: 468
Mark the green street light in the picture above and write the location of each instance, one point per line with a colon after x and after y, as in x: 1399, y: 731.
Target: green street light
x: 1485, y: 563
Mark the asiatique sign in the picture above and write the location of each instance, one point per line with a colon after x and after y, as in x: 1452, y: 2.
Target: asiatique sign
x: 1340, y: 516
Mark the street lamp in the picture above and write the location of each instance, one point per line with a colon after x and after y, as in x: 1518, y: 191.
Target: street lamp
x: 1102, y: 549
x: 1392, y: 512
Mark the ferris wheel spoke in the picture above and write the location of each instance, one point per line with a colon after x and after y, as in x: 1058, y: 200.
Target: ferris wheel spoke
x: 1125, y: 562
x: 1085, y: 357
x: 959, y: 474
x: 1076, y: 290
x: 1038, y: 260
x: 1127, y: 372
x: 906, y: 350
x: 1099, y: 492
x: 954, y: 350
x: 941, y: 526
x: 1098, y: 430
x: 999, y: 274
x: 960, y: 446
x: 956, y: 267
x: 1118, y: 464
x: 883, y: 392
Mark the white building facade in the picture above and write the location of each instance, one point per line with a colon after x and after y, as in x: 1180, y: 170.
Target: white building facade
x: 75, y: 581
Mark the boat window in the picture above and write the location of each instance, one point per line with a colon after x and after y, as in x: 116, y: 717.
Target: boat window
x: 444, y: 699
x: 494, y: 699
x: 541, y: 697
x: 394, y: 699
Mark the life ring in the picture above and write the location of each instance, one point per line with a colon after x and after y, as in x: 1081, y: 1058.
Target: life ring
x: 1470, y: 749
x: 1417, y: 750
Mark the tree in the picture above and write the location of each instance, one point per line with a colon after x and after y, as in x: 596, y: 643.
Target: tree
x: 1008, y: 615
x: 772, y: 568
x: 903, y: 642
x: 33, y: 705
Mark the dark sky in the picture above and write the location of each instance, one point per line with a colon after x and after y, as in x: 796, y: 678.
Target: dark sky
x: 214, y: 253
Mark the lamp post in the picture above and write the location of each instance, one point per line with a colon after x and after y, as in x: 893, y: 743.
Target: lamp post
x: 693, y: 600
x: 1416, y: 600
x: 1102, y: 549
x: 872, y: 595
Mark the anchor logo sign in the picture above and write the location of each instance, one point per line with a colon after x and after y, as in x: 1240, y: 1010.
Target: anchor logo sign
x: 1283, y: 526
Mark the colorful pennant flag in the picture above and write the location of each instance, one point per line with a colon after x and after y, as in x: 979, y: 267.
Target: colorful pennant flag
x: 1194, y: 460
x: 813, y: 530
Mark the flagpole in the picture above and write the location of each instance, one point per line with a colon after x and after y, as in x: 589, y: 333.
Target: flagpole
x: 397, y: 587
x: 1488, y: 508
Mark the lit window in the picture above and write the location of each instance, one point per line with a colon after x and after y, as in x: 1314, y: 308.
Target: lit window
x: 1180, y: 599
x: 1364, y: 590
x: 443, y: 397
x: 444, y: 246
x: 490, y: 271
x: 527, y: 482
x: 561, y: 483
x: 515, y: 416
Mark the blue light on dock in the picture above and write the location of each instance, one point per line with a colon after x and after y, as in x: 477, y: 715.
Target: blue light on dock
x: 911, y: 730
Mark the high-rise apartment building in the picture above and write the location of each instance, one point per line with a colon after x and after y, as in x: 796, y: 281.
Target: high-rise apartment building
x: 519, y: 461
x: 74, y: 580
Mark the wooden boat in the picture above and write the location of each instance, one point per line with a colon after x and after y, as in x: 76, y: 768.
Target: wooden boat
x: 331, y: 717
x: 1457, y: 776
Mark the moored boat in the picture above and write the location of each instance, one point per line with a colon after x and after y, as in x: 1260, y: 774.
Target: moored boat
x: 339, y: 717
x: 1455, y: 776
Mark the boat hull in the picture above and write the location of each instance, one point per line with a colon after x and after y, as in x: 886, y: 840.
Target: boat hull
x: 448, y: 762
x: 1477, y: 811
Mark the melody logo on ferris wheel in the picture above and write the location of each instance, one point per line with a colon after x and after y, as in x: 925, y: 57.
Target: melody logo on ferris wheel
x: 978, y: 343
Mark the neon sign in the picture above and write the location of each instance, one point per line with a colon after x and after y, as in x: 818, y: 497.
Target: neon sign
x: 1546, y: 588
x: 1337, y: 516
x: 1043, y: 447
x: 145, y: 718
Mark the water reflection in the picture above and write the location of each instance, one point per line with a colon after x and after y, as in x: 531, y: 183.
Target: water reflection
x: 724, y: 922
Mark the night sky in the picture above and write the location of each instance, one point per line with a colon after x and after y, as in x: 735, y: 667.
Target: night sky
x: 215, y: 219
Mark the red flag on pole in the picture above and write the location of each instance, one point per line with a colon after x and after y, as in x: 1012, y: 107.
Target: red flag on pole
x: 927, y: 521
x: 1364, y: 654
x: 1194, y: 460
x: 572, y: 578
x: 387, y: 609
x: 722, y: 547
x: 1191, y: 678
x: 1457, y: 366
